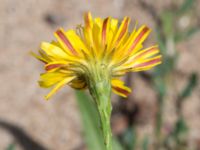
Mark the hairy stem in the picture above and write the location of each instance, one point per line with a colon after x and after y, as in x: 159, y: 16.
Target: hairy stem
x: 99, y: 83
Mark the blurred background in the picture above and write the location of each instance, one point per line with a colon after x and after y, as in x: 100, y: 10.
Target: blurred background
x: 163, y: 111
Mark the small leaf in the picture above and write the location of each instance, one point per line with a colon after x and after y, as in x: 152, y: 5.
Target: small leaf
x: 129, y: 139
x: 181, y: 126
x: 192, y: 83
x: 187, y: 4
x: 161, y: 41
x: 180, y: 36
x: 167, y: 18
x: 161, y: 72
x: 145, y: 143
x: 11, y: 147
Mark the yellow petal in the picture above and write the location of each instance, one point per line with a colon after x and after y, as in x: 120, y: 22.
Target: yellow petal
x: 64, y: 42
x: 58, y: 86
x: 44, y: 60
x: 121, y: 33
x: 88, y: 30
x: 146, y: 64
x: 76, y: 42
x: 112, y: 32
x: 119, y: 88
x: 55, y: 65
x: 96, y: 33
x: 53, y: 51
x: 141, y: 56
x: 138, y: 39
x: 88, y: 20
x: 50, y: 78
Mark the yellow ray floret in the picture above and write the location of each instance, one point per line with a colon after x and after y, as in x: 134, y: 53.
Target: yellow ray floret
x: 119, y: 88
x: 98, y: 44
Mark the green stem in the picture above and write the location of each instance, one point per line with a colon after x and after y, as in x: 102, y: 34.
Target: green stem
x: 159, y: 122
x: 159, y: 116
x: 99, y: 83
x: 106, y: 129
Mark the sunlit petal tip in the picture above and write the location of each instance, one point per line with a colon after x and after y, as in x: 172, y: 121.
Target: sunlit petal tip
x: 38, y: 57
x: 58, y: 86
x: 88, y: 19
x: 149, y: 63
x: 124, y: 28
x: 104, y: 30
x: 147, y: 53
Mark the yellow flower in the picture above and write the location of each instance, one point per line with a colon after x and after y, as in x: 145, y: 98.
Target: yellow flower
x: 102, y: 44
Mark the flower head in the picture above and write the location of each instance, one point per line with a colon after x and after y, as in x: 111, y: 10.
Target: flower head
x: 101, y: 44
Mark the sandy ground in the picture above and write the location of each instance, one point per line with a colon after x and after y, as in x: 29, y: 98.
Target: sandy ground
x: 56, y: 123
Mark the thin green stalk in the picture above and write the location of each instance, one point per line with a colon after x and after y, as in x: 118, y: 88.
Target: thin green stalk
x: 99, y: 83
x: 159, y: 116
x: 107, y: 134
x: 159, y: 122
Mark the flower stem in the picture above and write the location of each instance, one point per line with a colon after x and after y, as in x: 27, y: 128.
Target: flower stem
x: 99, y: 83
x: 106, y: 129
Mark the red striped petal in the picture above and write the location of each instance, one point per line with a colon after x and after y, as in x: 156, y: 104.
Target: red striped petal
x: 124, y: 29
x: 148, y: 63
x: 104, y: 30
x: 66, y: 41
x: 88, y: 19
x: 52, y: 66
x: 120, y: 90
x: 138, y: 38
x: 146, y: 52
